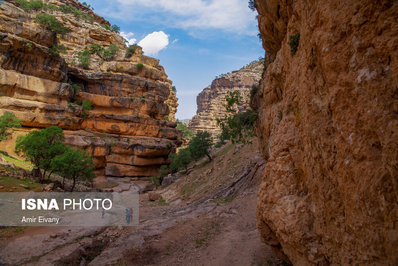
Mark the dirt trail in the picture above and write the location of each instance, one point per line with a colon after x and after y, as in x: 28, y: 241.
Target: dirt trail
x: 207, y: 218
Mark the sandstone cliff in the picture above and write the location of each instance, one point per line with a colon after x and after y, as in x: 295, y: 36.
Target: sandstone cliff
x: 126, y: 130
x: 211, y: 101
x: 328, y: 126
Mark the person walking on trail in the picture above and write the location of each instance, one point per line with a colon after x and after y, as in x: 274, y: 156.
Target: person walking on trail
x: 127, y: 216
x: 131, y: 214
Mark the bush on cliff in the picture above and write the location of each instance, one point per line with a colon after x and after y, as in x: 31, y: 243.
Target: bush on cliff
x: 56, y: 49
x: 294, y: 41
x: 86, y: 107
x: 111, y: 52
x: 30, y: 5
x: 8, y: 121
x: 51, y: 23
x: 84, y: 58
x: 130, y: 50
x: 69, y: 9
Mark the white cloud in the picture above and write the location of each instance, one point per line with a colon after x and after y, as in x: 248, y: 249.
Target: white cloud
x: 127, y: 37
x: 228, y: 15
x: 154, y: 42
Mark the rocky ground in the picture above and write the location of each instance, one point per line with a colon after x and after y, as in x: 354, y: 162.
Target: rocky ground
x: 206, y: 217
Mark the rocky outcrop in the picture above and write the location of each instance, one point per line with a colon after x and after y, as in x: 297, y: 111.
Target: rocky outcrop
x: 211, y: 101
x: 328, y: 126
x: 126, y: 130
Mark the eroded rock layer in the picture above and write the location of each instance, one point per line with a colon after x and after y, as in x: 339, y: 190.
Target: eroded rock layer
x: 328, y: 126
x: 211, y: 101
x: 126, y: 131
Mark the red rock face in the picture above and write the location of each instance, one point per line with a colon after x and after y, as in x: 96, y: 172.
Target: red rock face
x: 328, y: 126
x: 126, y: 131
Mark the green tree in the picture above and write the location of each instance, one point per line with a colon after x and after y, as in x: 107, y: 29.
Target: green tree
x: 237, y: 126
x: 73, y: 164
x: 181, y: 160
x: 7, y: 122
x: 187, y: 134
x: 115, y: 28
x: 200, y: 145
x: 41, y: 146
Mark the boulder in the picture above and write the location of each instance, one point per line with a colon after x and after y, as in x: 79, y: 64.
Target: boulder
x: 154, y: 196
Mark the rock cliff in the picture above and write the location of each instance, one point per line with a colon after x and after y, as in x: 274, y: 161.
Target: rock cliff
x: 328, y: 126
x: 126, y: 130
x: 211, y: 101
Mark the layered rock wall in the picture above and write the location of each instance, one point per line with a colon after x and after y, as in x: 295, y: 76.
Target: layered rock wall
x: 211, y: 101
x: 328, y: 126
x: 126, y: 131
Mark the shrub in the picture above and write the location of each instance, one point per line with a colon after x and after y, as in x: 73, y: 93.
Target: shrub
x: 52, y: 7
x: 164, y: 170
x: 56, y: 49
x: 253, y: 91
x: 51, y: 23
x: 130, y: 50
x: 87, y: 5
x: 294, y: 41
x: 106, y: 26
x: 30, y: 5
x: 76, y: 88
x: 154, y: 180
x: 29, y: 45
x: 8, y: 121
x: 110, y: 53
x: 96, y: 49
x: 84, y: 58
x: 115, y: 28
x: 173, y: 88
x: 140, y: 66
x: 86, y: 107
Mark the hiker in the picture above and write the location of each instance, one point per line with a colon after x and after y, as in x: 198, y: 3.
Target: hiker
x: 131, y: 214
x: 127, y: 216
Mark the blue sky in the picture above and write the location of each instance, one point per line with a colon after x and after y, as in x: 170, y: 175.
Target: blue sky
x: 195, y: 40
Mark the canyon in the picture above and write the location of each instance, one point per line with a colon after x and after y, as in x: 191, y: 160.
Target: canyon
x: 328, y: 127
x: 318, y: 186
x: 131, y: 128
x: 211, y: 101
